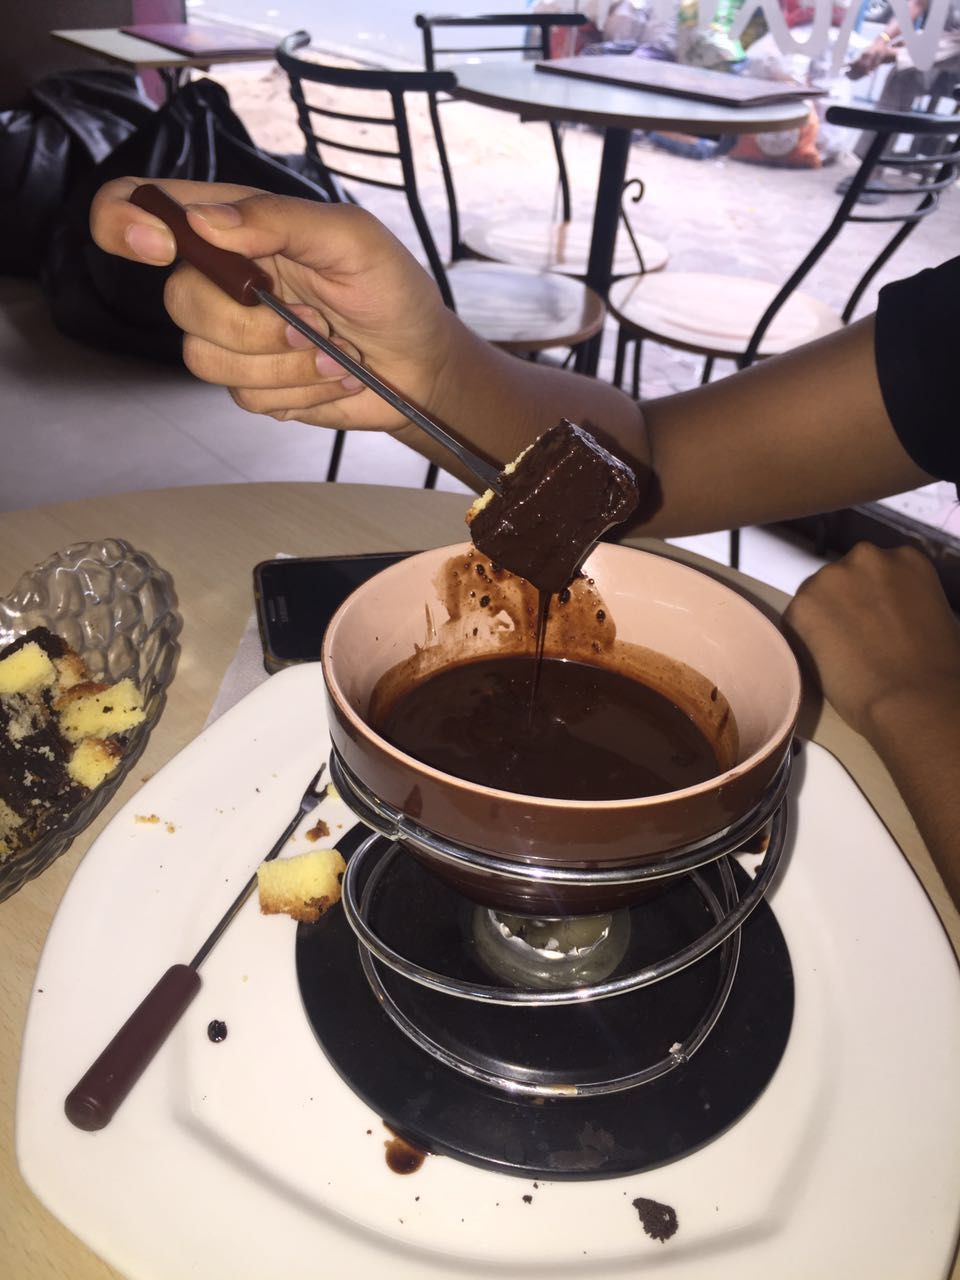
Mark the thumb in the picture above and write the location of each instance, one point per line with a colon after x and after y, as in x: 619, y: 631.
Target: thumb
x: 335, y: 240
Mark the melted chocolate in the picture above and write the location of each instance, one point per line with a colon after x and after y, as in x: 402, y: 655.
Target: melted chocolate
x: 591, y: 734
x: 216, y: 1031
x: 403, y: 1156
x: 557, y: 499
x: 658, y: 1220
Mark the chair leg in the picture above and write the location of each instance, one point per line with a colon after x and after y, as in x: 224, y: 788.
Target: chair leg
x: 734, y: 548
x: 432, y: 472
x: 335, y: 456
x: 707, y: 371
x: 635, y: 383
x: 561, y: 170
x: 620, y: 357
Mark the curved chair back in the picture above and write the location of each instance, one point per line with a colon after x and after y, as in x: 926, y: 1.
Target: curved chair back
x: 360, y: 157
x: 537, y: 29
x: 929, y: 168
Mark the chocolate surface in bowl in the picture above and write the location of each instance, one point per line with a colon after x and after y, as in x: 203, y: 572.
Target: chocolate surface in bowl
x: 677, y: 630
x: 548, y: 727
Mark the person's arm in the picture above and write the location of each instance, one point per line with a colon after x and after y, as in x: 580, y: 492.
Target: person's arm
x: 802, y: 433
x: 345, y: 273
x: 885, y: 646
x: 881, y: 49
x: 805, y: 432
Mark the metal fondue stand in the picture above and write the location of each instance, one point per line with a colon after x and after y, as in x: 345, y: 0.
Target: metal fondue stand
x: 728, y: 908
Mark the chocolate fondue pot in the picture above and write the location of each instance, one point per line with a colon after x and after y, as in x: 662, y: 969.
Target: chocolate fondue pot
x: 648, y: 617
x: 509, y: 989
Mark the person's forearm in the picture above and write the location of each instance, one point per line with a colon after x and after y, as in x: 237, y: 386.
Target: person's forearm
x: 801, y: 433
x: 918, y: 739
x: 498, y: 404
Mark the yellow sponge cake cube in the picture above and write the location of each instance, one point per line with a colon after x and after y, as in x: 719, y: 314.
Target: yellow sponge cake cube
x: 92, y: 760
x: 26, y: 670
x: 97, y: 711
x: 303, y: 886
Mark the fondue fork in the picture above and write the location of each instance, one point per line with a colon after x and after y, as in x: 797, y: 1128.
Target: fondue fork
x: 248, y: 284
x: 93, y: 1102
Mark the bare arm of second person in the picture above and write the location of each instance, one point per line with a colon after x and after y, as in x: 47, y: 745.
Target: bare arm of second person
x: 805, y: 432
x: 885, y: 646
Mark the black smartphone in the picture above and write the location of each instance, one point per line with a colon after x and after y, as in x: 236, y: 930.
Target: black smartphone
x: 297, y: 597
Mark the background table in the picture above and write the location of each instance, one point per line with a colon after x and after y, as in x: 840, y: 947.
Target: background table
x: 617, y: 111
x: 209, y: 539
x: 116, y: 46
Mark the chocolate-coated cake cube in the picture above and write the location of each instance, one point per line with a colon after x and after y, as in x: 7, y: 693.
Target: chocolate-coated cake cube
x: 557, y: 500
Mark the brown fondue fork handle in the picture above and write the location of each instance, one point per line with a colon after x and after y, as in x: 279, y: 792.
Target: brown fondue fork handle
x: 93, y: 1101
x: 248, y: 284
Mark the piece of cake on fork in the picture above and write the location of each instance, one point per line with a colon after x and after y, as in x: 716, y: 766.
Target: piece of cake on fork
x: 557, y: 499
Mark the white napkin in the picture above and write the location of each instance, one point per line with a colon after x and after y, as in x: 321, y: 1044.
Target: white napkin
x: 246, y: 671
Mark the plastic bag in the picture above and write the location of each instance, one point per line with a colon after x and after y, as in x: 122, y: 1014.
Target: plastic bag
x: 117, y: 305
x: 69, y: 124
x: 627, y: 20
x: 710, y: 47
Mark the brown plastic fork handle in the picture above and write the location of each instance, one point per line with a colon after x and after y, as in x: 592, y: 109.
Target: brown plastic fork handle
x: 91, y: 1104
x: 235, y: 274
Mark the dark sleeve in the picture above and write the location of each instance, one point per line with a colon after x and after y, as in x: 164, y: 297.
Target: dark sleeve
x: 917, y: 347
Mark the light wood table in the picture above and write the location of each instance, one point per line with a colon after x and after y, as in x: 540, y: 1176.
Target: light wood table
x: 209, y: 539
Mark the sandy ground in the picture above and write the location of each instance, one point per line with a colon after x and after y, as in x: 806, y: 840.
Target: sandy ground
x: 715, y: 215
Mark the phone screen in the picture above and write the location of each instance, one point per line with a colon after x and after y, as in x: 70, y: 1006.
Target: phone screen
x: 296, y: 599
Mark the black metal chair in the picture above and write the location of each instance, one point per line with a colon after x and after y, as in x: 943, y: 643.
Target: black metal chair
x: 556, y: 241
x: 743, y: 319
x: 517, y: 309
x: 539, y: 26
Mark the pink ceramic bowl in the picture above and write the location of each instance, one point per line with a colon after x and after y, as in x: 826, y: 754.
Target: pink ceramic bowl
x: 679, y: 630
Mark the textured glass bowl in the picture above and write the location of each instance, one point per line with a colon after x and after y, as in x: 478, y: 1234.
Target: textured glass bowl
x: 117, y: 608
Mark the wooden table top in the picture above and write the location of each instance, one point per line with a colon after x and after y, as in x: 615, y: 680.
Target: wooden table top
x: 209, y: 539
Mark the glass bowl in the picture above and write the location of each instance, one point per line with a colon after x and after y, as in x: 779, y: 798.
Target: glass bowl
x: 117, y: 608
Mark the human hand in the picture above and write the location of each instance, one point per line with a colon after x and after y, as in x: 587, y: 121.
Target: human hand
x: 336, y: 265
x: 879, y: 633
x: 873, y: 56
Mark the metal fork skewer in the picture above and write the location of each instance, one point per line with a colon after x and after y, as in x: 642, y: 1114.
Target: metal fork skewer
x: 482, y: 469
x: 308, y: 802
x: 93, y: 1101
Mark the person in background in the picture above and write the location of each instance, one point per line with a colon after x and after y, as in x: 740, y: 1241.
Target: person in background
x: 863, y: 413
x: 906, y: 83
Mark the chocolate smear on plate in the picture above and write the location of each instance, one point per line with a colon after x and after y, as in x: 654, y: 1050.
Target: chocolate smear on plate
x: 402, y: 1156
x: 659, y: 1221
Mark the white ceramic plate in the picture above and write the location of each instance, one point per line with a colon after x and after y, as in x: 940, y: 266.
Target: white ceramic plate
x: 250, y: 1159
